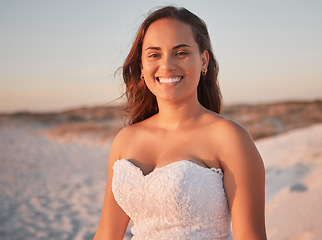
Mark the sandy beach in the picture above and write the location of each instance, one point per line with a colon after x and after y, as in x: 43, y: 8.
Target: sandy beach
x: 49, y: 190
x: 54, y: 189
x: 293, y: 163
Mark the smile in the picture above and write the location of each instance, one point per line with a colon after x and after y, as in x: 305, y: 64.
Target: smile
x: 169, y: 80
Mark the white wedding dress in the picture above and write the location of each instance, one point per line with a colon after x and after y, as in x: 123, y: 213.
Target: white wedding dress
x: 181, y: 200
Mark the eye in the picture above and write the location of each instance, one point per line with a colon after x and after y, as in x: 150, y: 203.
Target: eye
x: 181, y: 53
x: 153, y: 55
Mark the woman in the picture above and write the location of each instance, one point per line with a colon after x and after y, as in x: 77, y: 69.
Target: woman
x: 180, y: 170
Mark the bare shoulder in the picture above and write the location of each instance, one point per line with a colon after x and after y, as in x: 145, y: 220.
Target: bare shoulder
x: 233, y: 142
x: 125, y: 138
x: 124, y: 133
x: 223, y: 128
x: 120, y: 141
x: 229, y: 130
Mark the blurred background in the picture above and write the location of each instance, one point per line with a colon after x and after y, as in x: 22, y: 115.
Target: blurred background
x: 58, y: 83
x: 62, y: 54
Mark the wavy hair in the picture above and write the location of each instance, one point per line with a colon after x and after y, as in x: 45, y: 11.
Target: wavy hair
x: 141, y: 103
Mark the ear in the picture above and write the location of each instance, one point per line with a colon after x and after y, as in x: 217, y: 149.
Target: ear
x: 142, y: 72
x: 204, y: 60
x: 141, y: 65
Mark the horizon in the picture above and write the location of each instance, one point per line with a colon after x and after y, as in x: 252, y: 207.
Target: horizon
x: 115, y: 104
x: 63, y: 55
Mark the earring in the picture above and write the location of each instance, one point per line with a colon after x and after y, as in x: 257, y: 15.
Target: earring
x: 142, y: 77
x: 204, y: 72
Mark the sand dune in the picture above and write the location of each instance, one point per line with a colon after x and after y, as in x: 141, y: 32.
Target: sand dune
x: 55, y: 190
x: 100, y: 123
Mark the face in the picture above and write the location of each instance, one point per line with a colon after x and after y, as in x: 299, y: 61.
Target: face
x: 171, y: 60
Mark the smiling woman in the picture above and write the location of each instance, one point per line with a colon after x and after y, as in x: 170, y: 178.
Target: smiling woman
x: 171, y: 65
x: 180, y: 170
x: 141, y: 103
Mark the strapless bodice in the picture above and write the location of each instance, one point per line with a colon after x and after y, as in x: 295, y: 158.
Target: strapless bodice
x: 181, y: 200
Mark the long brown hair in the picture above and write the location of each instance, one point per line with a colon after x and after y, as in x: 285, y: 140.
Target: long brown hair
x: 141, y: 103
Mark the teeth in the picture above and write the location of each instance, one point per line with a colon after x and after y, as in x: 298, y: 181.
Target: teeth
x: 170, y: 80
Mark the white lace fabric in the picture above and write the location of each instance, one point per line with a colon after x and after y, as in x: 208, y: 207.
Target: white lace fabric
x: 181, y: 200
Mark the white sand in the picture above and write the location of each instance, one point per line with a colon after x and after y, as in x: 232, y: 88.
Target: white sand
x: 49, y: 190
x: 294, y: 184
x: 54, y: 190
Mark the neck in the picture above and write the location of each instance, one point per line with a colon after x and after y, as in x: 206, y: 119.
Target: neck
x: 172, y: 116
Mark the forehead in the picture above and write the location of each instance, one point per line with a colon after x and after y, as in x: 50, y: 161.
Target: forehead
x: 166, y: 31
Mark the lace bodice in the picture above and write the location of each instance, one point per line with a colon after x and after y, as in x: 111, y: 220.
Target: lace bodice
x: 181, y: 200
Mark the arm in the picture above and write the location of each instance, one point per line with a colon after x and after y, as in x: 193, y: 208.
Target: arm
x: 113, y: 222
x: 244, y: 182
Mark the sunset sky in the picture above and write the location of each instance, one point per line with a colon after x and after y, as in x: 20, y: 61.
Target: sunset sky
x: 60, y: 54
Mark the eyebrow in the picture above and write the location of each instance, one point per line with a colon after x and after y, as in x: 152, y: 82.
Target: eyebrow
x: 174, y: 48
x: 180, y: 46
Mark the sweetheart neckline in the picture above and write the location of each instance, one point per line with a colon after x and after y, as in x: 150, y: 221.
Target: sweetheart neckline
x: 213, y: 169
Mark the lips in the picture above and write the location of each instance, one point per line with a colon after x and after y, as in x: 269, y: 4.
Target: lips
x: 169, y: 80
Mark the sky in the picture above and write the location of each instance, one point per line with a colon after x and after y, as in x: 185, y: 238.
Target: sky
x: 61, y: 54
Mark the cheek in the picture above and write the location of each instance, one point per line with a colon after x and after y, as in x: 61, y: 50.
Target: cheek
x: 150, y: 86
x: 147, y: 66
x: 193, y: 67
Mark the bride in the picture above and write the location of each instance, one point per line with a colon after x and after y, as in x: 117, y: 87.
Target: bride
x: 180, y: 170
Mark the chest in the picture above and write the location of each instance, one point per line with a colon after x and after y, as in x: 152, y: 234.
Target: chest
x: 155, y: 149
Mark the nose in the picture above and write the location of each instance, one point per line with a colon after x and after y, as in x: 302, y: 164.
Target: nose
x: 167, y: 63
